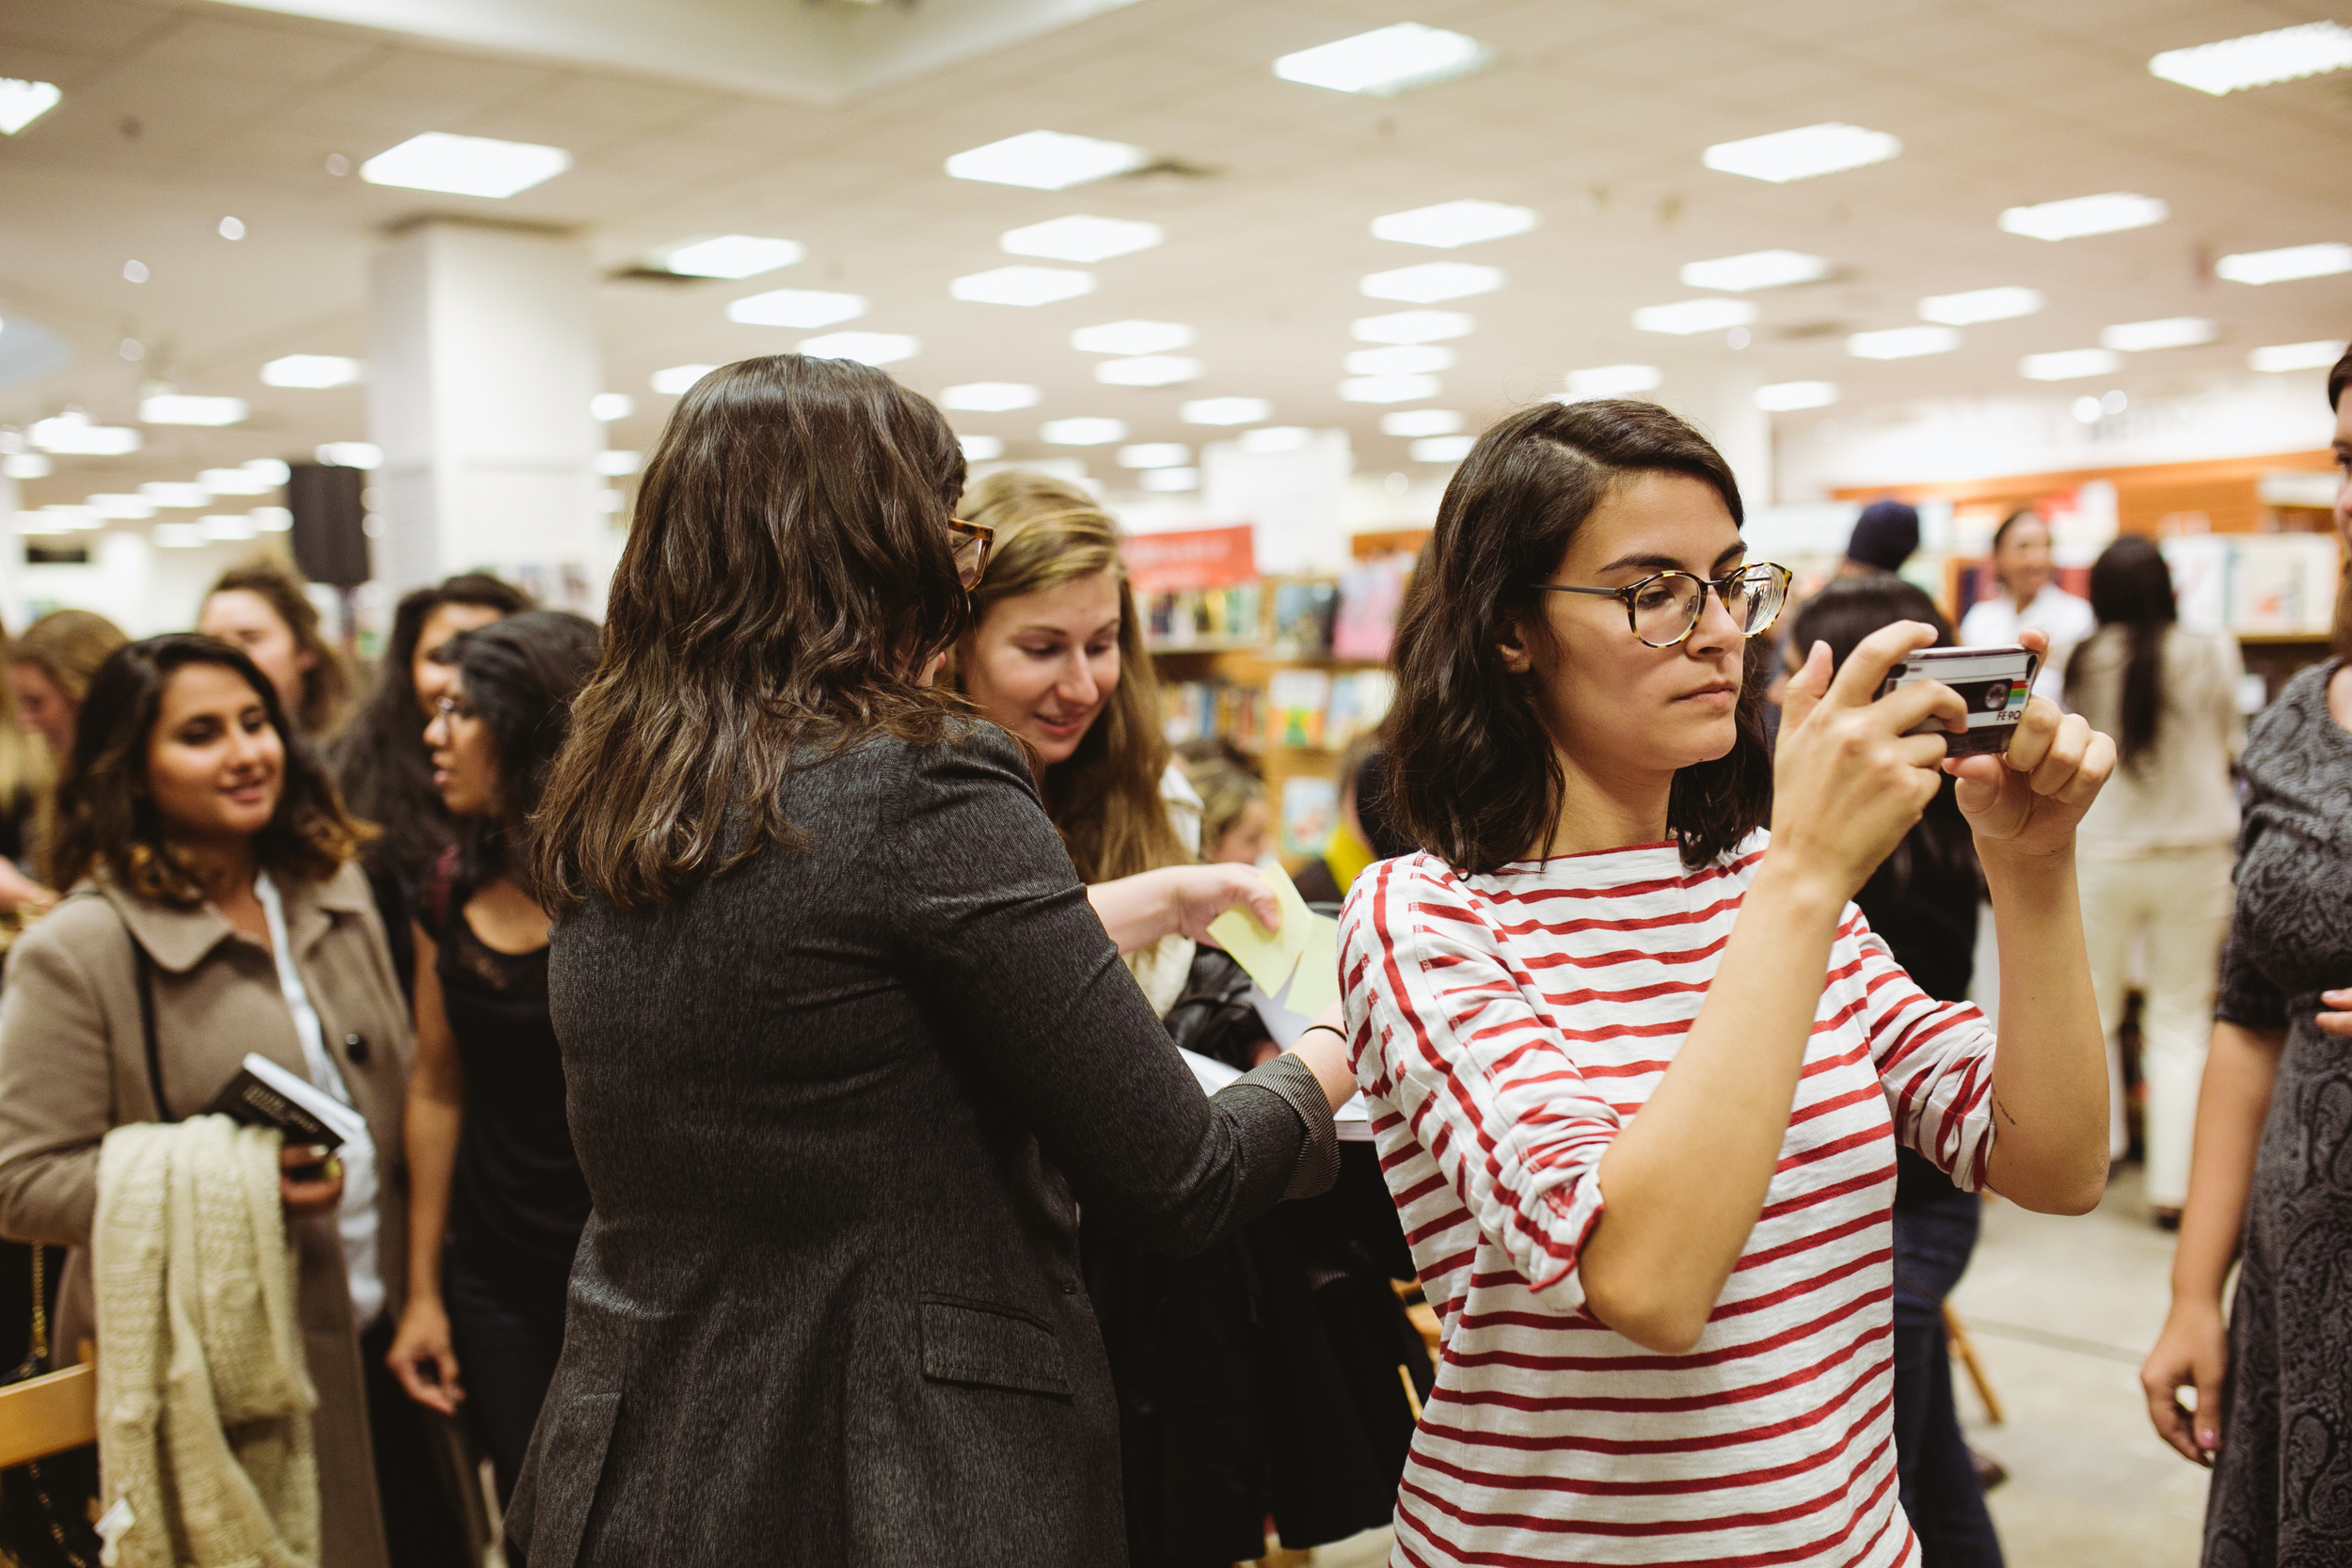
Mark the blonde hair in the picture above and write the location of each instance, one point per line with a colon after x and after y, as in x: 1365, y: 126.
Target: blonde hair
x: 1226, y: 792
x: 67, y: 647
x: 1104, y: 799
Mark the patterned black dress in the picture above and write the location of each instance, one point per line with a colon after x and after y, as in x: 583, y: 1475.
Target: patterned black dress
x: 2283, y: 1489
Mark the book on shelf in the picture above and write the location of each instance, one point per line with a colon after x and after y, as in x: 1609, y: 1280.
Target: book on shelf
x: 1206, y: 617
x: 1195, y: 710
x: 1311, y: 810
x: 1303, y: 610
x: 1297, y: 701
x: 1370, y: 593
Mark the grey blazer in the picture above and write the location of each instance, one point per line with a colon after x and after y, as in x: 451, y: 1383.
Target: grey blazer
x: 837, y: 1109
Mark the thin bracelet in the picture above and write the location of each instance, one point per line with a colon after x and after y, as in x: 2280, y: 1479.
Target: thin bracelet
x: 1331, y: 1028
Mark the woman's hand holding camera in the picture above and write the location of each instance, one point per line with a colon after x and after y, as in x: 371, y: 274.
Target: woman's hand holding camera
x: 2029, y: 800
x: 1848, y: 780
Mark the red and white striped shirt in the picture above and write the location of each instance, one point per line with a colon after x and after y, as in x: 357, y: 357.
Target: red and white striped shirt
x: 1506, y: 1027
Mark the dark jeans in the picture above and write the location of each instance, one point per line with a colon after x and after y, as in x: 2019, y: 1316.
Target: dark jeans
x: 421, y: 1524
x: 1935, y: 1230
x: 507, y: 1333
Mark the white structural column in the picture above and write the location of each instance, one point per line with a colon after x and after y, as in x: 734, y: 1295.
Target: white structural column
x: 481, y: 364
x: 1725, y: 409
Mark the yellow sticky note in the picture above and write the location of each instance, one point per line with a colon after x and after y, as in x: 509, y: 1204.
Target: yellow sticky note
x: 1268, y: 955
x: 1316, y: 986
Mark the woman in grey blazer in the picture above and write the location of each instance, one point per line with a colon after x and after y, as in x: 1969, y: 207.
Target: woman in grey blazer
x: 846, y: 1047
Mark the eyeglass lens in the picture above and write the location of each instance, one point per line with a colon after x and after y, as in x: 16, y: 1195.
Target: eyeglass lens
x: 971, y: 556
x: 1669, y: 606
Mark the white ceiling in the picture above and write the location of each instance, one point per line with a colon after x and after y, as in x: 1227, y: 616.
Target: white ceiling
x: 178, y: 112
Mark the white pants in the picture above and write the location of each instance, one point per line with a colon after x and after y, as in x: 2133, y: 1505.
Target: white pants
x: 2179, y: 901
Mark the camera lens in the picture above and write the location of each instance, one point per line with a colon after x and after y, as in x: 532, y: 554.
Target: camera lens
x: 1995, y: 696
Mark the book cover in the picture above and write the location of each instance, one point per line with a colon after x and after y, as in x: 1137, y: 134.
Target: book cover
x: 263, y: 1094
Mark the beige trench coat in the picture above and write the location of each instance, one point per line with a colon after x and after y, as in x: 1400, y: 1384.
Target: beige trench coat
x: 74, y: 1065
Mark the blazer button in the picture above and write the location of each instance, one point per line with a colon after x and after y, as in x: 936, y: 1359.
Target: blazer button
x: 356, y: 1047
x: 1069, y: 1290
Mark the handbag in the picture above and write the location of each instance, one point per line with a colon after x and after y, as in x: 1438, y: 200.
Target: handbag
x: 47, y: 1506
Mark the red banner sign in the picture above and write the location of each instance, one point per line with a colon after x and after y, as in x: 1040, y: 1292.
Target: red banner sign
x: 1195, y: 557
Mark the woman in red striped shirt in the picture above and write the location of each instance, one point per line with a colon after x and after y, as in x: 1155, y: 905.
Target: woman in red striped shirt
x: 1637, y: 1067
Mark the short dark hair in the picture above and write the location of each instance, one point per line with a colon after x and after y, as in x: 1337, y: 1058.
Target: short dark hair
x: 2338, y: 378
x: 1472, y: 774
x: 519, y: 676
x: 106, y: 820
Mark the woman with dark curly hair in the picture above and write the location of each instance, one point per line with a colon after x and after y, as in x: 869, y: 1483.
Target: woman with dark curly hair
x: 212, y: 890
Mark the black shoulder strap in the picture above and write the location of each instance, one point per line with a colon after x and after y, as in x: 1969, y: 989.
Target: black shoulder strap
x: 146, y: 967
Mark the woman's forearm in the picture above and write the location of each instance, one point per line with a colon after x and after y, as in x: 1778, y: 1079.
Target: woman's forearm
x: 1684, y: 1183
x: 2050, y: 1073
x: 2232, y: 1102
x: 436, y: 1116
x: 1137, y: 911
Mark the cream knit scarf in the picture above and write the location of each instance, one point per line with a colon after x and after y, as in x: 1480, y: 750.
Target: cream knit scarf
x: 204, y: 1400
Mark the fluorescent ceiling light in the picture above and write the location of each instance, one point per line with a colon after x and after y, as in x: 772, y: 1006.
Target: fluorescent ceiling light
x: 1224, y: 410
x: 989, y: 397
x: 980, y: 449
x: 311, y: 369
x: 1082, y: 431
x: 1612, y: 381
x: 1276, y: 438
x: 175, y: 494
x: 1388, y: 388
x: 865, y: 348
x: 72, y: 434
x: 23, y: 102
x: 1903, y: 342
x: 271, y: 519
x: 1401, y: 360
x: 1433, y: 282
x: 121, y: 508
x: 2106, y: 213
x: 74, y: 516
x: 1022, y: 286
x: 465, y: 165
x: 732, y: 256
x: 1130, y: 337
x: 176, y: 536
x: 2258, y: 59
x: 806, y: 307
x: 2284, y: 266
x: 25, y: 464
x: 2318, y: 356
x: 1421, y: 422
x: 1385, y: 62
x: 1783, y: 397
x: 257, y: 477
x: 1156, y: 454
x: 619, y: 465
x: 349, y: 454
x: 1450, y: 224
x: 186, y: 408
x: 679, y: 378
x: 1757, y: 269
x: 1082, y: 239
x: 1149, y: 370
x: 607, y: 406
x: 1802, y: 153
x: 1441, y: 448
x: 2070, y: 364
x: 1045, y: 161
x: 1979, y: 305
x: 1168, y: 481
x: 1411, y: 326
x: 223, y: 527
x: 2171, y: 332
x: 42, y: 524
x: 1695, y: 315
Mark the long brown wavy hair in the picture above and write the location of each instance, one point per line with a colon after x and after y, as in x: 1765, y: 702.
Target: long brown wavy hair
x: 107, y: 822
x: 1473, y: 775
x: 788, y: 580
x: 327, y: 685
x: 1105, y: 797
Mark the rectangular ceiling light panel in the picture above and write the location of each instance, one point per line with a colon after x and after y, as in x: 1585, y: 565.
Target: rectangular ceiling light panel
x: 1452, y: 224
x: 1979, y: 305
x: 1688, y: 316
x: 257, y: 477
x: 1412, y: 326
x: 1612, y: 381
x: 311, y: 370
x: 1276, y: 438
x: 1385, y: 62
x: 72, y: 434
x: 1809, y: 150
x: 1224, y: 410
x: 1156, y: 454
x: 2318, y: 356
x: 1030, y: 286
x: 989, y: 397
x: 1433, y: 282
x: 1441, y: 448
x: 2285, y: 266
x: 2070, y: 364
x: 1787, y: 397
x: 1421, y: 422
x: 1168, y: 482
x: 1401, y: 360
x: 2108, y: 213
x: 1130, y: 337
x: 2171, y: 332
x: 1388, y: 388
x: 465, y: 165
x: 866, y: 348
x: 23, y: 102
x: 981, y: 448
x: 186, y: 408
x: 732, y: 256
x: 1148, y: 370
x: 1903, y: 342
x: 2258, y: 59
x: 176, y: 494
x: 122, y: 508
x: 1079, y: 238
x: 1757, y: 269
x: 803, y: 308
x: 1046, y: 161
x: 1082, y: 431
x: 349, y: 454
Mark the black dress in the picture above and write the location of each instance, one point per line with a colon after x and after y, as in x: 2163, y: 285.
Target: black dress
x: 2283, y: 1486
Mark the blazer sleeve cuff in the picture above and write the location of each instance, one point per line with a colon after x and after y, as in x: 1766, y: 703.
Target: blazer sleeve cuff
x: 1288, y: 1080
